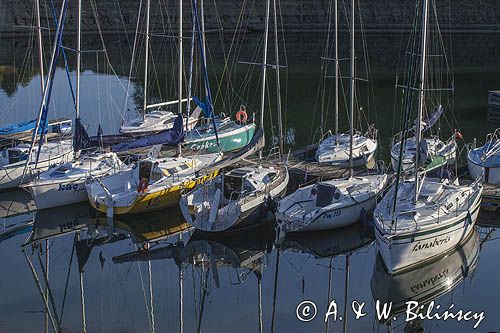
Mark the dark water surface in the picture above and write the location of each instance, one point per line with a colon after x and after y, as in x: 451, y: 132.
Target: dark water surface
x: 244, y: 281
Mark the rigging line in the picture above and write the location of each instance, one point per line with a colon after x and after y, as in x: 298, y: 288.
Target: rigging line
x: 234, y: 43
x: 96, y: 16
x: 134, y: 48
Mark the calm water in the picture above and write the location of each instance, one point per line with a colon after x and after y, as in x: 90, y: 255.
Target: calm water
x: 245, y: 281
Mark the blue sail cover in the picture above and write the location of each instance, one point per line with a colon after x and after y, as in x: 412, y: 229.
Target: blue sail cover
x: 206, y: 111
x: 170, y: 137
x: 18, y: 127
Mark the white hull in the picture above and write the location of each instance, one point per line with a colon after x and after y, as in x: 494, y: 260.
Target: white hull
x: 300, y: 211
x: 334, y: 219
x: 65, y: 184
x: 59, y: 193
x: 488, y: 172
x: 405, y: 251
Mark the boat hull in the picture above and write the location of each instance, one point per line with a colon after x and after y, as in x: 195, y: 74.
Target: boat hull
x: 230, y: 141
x: 488, y: 174
x: 57, y: 194
x: 403, y: 252
x: 153, y: 201
x: 332, y: 219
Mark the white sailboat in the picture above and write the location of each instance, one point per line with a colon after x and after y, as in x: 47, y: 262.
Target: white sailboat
x: 420, y: 219
x: 336, y: 149
x: 427, y: 282
x: 335, y: 203
x: 238, y: 198
x: 64, y: 184
x: 158, y: 120
x: 484, y: 162
x: 20, y: 163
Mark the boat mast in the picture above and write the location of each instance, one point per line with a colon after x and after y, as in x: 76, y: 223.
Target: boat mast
x: 78, y: 71
x: 146, y: 59
x: 202, y: 21
x: 55, y: 52
x: 40, y: 44
x: 423, y: 60
x: 180, y: 72
x: 353, y: 86
x: 336, y: 73
x: 278, y: 83
x: 264, y: 70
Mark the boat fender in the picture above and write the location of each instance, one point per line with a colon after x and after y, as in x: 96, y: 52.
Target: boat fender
x: 142, y: 187
x: 241, y: 116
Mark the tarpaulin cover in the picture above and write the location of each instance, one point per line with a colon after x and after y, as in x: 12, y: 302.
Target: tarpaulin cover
x: 170, y: 137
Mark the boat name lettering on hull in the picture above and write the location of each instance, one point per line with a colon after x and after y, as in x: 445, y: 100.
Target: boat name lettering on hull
x: 331, y: 215
x: 427, y: 245
x: 67, y: 187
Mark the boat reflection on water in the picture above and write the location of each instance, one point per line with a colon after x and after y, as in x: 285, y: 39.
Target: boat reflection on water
x: 149, y: 228
x: 426, y: 283
x: 329, y: 243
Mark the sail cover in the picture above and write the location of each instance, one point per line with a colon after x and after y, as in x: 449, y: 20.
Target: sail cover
x: 432, y: 120
x: 81, y: 138
x: 170, y: 137
x: 18, y: 127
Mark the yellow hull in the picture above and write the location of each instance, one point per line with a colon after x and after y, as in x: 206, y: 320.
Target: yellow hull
x: 156, y: 200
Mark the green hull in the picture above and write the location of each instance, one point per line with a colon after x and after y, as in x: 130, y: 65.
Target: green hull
x: 229, y: 141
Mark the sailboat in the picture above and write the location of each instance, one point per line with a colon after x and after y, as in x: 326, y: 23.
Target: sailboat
x: 336, y: 149
x: 484, y: 162
x: 428, y: 282
x: 238, y: 198
x: 64, y: 184
x: 334, y: 203
x: 20, y: 163
x: 434, y: 152
x: 212, y: 133
x: 437, y: 153
x: 421, y: 218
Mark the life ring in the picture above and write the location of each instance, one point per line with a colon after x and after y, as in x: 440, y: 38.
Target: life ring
x: 142, y: 187
x: 241, y: 116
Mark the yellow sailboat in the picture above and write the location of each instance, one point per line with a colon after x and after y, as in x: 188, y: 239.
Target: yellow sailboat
x: 150, y: 185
